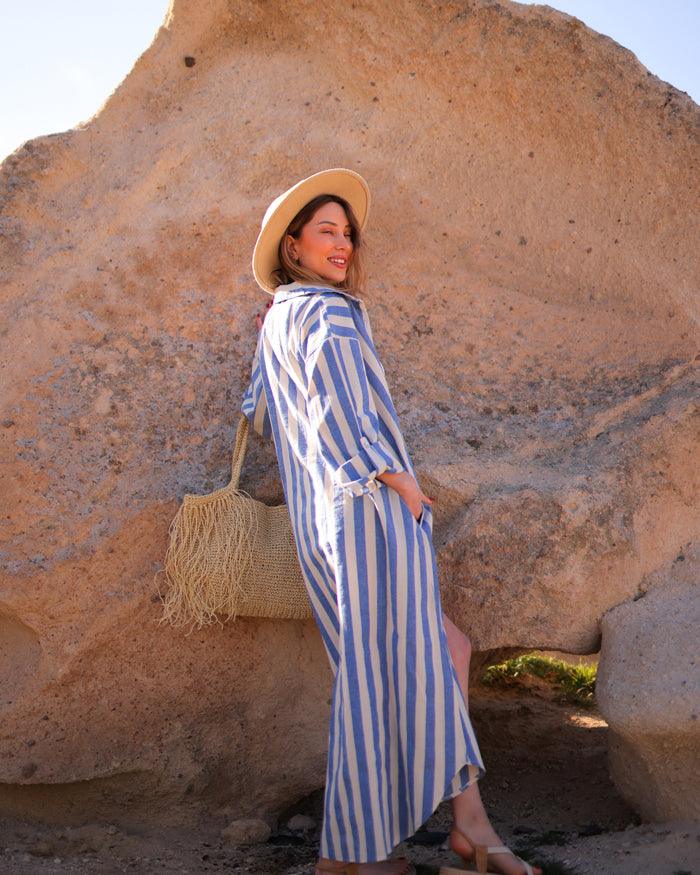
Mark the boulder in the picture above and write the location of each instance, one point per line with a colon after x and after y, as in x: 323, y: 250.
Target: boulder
x: 648, y: 690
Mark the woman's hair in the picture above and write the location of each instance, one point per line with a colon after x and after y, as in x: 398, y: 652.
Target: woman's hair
x: 290, y: 271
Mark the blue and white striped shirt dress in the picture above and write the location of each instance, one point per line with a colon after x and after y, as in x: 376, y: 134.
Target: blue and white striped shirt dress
x: 400, y: 738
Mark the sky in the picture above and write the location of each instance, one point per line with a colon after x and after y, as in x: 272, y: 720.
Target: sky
x: 63, y: 58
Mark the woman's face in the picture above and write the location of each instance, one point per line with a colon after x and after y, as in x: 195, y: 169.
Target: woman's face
x: 324, y: 245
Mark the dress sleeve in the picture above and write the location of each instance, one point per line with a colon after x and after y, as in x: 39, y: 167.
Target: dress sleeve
x: 341, y: 409
x: 254, y: 404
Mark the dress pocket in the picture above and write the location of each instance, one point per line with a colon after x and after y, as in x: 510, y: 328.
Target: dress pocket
x: 427, y: 509
x: 391, y: 498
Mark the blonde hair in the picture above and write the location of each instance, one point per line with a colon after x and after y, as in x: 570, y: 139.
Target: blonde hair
x: 290, y: 271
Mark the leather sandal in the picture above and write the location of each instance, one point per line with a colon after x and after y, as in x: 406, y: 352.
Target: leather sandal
x: 479, y: 855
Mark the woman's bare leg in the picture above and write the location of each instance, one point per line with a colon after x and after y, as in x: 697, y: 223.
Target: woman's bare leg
x: 468, y: 810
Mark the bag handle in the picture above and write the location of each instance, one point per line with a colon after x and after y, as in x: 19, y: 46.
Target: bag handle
x: 239, y: 450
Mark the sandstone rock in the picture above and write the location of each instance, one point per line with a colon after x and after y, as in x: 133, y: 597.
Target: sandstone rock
x: 648, y: 689
x: 533, y: 260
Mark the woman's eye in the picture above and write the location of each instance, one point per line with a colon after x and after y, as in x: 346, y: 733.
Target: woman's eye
x: 328, y: 231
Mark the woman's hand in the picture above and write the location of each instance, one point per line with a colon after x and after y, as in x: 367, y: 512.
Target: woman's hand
x: 258, y: 319
x: 409, y: 490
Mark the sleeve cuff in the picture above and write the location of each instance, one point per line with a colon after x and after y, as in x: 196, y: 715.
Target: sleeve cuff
x: 358, y: 474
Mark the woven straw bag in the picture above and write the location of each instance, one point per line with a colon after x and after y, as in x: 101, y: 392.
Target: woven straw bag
x: 232, y: 555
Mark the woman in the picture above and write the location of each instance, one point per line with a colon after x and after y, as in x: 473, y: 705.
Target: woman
x: 400, y: 739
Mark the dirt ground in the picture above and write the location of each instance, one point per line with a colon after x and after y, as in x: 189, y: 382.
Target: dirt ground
x: 546, y: 789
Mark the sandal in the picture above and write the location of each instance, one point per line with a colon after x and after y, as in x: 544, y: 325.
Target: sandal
x: 480, y: 854
x: 353, y: 868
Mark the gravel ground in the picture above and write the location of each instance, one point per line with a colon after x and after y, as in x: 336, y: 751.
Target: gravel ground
x: 546, y: 789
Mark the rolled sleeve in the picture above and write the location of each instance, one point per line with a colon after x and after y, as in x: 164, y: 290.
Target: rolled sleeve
x: 343, y: 415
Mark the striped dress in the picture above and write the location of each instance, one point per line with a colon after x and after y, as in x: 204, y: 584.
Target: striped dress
x: 400, y: 738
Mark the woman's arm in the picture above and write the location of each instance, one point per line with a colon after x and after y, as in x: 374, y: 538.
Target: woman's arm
x: 343, y: 413
x: 342, y: 410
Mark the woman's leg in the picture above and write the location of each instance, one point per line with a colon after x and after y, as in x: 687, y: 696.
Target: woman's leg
x: 468, y: 810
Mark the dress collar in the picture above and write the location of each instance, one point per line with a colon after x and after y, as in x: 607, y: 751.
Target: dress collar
x: 298, y: 289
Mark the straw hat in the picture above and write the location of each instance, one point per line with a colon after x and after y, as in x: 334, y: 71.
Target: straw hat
x: 345, y: 183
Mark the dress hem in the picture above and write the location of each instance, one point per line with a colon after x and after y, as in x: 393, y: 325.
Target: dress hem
x: 471, y: 778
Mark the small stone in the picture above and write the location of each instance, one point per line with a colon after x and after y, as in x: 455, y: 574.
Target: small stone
x: 42, y: 849
x: 301, y: 822
x: 246, y: 831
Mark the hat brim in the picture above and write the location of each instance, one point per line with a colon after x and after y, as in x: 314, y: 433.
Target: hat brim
x: 340, y: 181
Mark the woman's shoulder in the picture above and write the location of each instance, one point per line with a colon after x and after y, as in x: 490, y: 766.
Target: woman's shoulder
x: 322, y: 316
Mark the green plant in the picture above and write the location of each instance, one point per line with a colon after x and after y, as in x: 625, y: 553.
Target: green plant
x: 576, y: 683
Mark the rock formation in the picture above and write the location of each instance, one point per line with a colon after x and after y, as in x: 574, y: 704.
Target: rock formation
x: 533, y: 263
x: 648, y: 689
